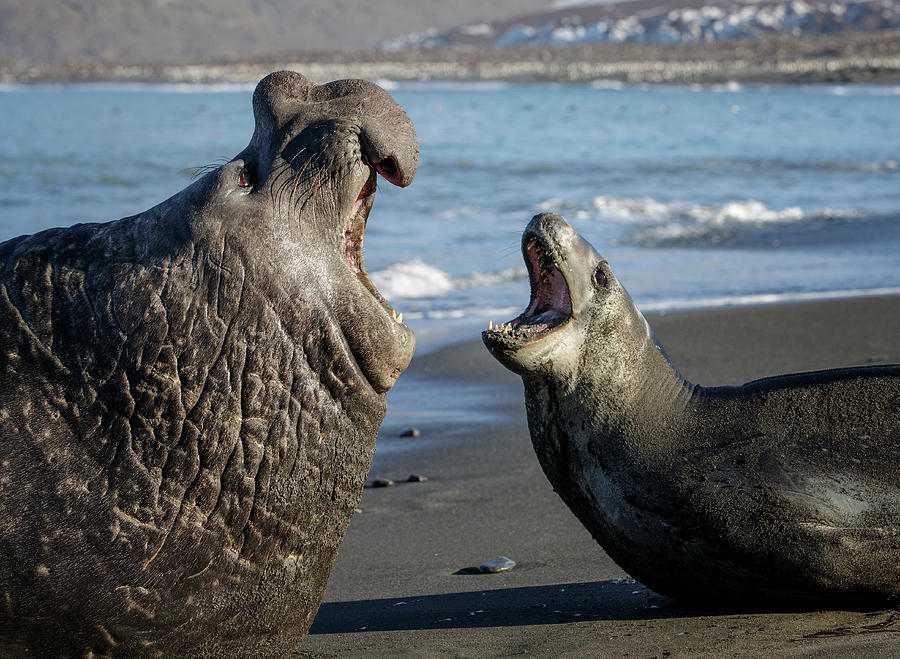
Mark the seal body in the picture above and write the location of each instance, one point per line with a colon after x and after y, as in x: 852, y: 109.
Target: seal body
x: 189, y: 397
x: 781, y: 492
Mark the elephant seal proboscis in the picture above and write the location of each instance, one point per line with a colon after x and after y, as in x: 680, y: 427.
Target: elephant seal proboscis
x: 780, y: 492
x: 189, y: 397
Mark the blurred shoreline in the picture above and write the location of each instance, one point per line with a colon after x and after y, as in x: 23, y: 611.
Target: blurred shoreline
x: 872, y: 57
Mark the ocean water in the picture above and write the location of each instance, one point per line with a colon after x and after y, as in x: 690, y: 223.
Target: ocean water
x: 697, y: 196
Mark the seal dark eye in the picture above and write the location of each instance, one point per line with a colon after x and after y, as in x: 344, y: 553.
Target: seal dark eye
x: 600, y: 277
x: 245, y: 180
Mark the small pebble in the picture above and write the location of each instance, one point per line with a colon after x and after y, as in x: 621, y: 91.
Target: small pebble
x: 410, y: 432
x: 497, y: 564
x: 382, y: 482
x: 416, y: 478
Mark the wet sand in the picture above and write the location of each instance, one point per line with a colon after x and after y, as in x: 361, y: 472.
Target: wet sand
x: 403, y: 584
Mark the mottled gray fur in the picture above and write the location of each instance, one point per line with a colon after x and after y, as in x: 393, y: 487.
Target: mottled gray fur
x: 781, y: 492
x: 189, y: 397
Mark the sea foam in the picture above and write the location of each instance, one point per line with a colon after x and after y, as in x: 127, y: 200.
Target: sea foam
x: 412, y: 279
x: 651, y: 210
x: 650, y: 222
x: 416, y: 279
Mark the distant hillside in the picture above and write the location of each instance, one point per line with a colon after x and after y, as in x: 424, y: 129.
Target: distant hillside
x: 143, y: 31
x: 663, y: 22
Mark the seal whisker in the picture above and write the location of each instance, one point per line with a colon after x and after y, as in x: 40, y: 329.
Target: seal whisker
x: 200, y: 170
x: 303, y: 177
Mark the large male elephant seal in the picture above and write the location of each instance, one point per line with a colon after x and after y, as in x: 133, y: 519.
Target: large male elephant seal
x: 189, y: 397
x: 781, y: 492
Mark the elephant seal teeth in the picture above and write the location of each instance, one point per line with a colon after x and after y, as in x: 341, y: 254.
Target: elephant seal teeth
x: 551, y: 303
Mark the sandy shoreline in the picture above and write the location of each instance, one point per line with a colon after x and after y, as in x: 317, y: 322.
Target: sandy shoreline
x: 400, y: 586
x: 848, y: 57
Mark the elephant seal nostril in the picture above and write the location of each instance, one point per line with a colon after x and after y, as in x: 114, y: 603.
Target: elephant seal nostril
x: 388, y: 168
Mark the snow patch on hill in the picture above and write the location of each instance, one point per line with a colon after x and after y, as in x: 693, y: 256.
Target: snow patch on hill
x: 681, y: 25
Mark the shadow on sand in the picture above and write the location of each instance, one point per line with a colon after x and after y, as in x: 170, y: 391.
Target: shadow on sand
x: 621, y: 599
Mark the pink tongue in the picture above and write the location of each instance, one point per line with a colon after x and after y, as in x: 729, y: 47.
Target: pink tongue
x: 545, y: 320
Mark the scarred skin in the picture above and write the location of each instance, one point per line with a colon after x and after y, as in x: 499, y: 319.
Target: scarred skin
x: 189, y: 397
x: 781, y: 492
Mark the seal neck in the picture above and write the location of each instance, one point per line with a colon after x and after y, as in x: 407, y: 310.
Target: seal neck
x: 634, y: 391
x: 655, y: 385
x: 665, y: 386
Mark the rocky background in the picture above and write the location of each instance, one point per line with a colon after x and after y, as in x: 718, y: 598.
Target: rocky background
x: 686, y: 41
x: 181, y: 31
x: 667, y: 22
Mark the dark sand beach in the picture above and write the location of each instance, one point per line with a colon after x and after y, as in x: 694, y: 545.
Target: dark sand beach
x: 403, y: 583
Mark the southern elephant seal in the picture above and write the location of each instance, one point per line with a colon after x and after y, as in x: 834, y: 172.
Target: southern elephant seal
x: 189, y: 397
x: 780, y: 492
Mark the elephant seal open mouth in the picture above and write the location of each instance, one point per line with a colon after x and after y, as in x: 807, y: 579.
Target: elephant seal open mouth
x: 189, y: 397
x: 328, y: 142
x: 550, y: 305
x: 781, y: 492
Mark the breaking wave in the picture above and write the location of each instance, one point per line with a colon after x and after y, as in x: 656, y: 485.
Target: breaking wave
x: 648, y: 222
x: 416, y: 279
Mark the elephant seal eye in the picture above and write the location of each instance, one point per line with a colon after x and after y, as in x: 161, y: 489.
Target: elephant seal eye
x: 600, y: 277
x: 245, y: 180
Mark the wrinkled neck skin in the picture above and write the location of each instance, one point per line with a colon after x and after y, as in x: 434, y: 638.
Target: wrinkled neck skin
x: 206, y: 393
x: 196, y: 391
x: 259, y: 283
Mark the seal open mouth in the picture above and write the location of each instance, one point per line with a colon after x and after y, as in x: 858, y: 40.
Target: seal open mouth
x: 550, y: 306
x: 354, y: 233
